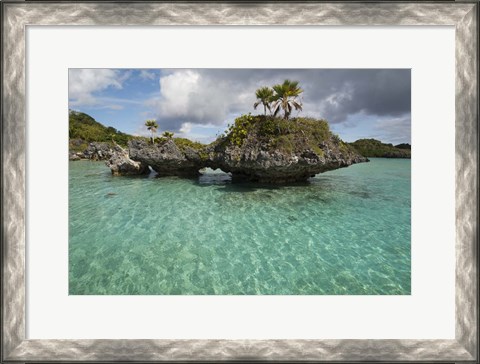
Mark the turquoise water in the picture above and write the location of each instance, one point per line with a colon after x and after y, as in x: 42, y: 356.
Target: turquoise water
x: 346, y: 232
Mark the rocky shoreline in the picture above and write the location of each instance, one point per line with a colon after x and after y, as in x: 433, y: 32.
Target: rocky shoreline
x: 97, y: 151
x: 253, y: 161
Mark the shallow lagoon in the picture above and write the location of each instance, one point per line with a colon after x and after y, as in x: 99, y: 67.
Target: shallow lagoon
x: 346, y: 232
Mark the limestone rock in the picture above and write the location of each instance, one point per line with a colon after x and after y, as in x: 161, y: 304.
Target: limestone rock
x: 260, y: 161
x: 99, y: 151
x: 165, y: 157
x: 121, y: 165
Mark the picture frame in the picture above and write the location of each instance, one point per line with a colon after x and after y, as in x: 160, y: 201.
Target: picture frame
x: 17, y: 15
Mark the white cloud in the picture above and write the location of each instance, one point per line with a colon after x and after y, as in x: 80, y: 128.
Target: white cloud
x: 147, y: 75
x: 84, y: 83
x: 186, y: 128
x: 199, y: 132
x: 191, y: 96
x: 176, y: 89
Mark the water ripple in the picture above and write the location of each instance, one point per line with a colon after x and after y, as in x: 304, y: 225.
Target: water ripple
x: 346, y: 232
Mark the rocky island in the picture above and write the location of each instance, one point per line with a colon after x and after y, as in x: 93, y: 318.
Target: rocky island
x: 376, y: 149
x: 255, y: 148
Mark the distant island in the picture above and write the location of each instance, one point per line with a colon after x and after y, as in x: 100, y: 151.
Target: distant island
x: 376, y: 149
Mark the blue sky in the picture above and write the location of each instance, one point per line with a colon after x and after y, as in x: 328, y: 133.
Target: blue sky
x: 199, y: 103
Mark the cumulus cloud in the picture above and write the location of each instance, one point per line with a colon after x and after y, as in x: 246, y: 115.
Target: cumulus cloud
x: 194, y: 97
x: 84, y: 83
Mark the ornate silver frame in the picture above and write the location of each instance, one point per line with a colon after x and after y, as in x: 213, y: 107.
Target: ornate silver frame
x: 16, y: 15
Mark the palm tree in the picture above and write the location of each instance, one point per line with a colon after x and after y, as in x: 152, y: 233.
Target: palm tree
x: 264, y: 96
x: 285, y: 97
x: 152, y: 126
x: 168, y: 134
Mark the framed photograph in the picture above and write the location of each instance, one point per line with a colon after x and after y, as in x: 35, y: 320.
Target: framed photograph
x: 240, y: 181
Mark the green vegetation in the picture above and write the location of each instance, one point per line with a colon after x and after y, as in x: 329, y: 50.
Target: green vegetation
x: 83, y: 129
x: 287, y: 136
x: 152, y: 126
x: 238, y: 131
x: 317, y: 129
x: 375, y: 148
x: 403, y: 146
x: 184, y: 143
x: 168, y: 134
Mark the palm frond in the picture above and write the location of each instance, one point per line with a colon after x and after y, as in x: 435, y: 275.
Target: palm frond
x: 297, y: 105
x: 151, y: 123
x: 283, y: 97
